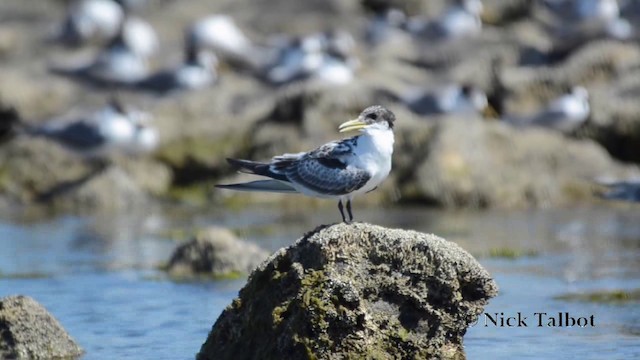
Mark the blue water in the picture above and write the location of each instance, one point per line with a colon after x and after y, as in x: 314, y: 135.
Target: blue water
x: 98, y: 276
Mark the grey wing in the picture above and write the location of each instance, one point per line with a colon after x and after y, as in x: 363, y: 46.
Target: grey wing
x: 325, y: 169
x: 422, y: 103
x: 554, y: 119
x: 78, y: 135
x: 327, y: 176
x: 161, y: 82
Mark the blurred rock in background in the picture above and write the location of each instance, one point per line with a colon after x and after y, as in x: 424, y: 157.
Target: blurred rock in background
x: 280, y: 76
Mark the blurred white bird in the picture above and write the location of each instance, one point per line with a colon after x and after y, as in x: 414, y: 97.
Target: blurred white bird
x: 124, y: 61
x: 90, y: 21
x: 565, y: 113
x: 324, y: 57
x: 140, y: 36
x: 108, y: 130
x: 572, y: 18
x: 460, y: 20
x: 461, y: 99
x: 221, y: 34
x: 198, y: 71
x: 386, y: 27
x: 334, y: 71
x: 100, y: 21
x: 295, y: 61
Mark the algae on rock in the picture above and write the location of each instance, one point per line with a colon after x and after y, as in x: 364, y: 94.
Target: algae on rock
x: 355, y: 291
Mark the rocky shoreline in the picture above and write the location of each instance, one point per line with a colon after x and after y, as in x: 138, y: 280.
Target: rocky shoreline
x: 446, y: 161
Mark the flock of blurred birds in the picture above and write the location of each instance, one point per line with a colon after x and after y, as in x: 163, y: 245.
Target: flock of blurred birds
x: 127, y: 43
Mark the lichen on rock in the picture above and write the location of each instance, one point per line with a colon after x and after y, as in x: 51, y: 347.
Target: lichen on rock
x: 355, y: 291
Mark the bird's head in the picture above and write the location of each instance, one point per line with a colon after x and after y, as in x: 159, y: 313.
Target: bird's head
x: 373, y: 117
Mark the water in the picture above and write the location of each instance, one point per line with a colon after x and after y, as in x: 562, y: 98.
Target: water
x: 98, y: 276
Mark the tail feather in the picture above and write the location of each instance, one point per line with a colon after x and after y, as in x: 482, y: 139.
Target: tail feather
x: 260, y: 185
x: 257, y: 168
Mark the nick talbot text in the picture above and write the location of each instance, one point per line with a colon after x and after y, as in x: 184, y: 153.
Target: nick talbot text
x: 536, y: 319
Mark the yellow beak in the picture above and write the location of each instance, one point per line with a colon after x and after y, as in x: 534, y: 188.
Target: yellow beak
x: 352, y: 125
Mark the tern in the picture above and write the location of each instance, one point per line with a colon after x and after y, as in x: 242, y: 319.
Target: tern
x: 565, y: 113
x: 462, y: 99
x: 112, y: 128
x: 198, y: 71
x: 338, y: 170
x: 123, y: 61
x: 90, y: 20
x: 461, y: 20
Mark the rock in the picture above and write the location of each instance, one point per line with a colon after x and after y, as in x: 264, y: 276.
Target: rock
x: 490, y: 164
x: 32, y: 168
x: 109, y: 190
x: 37, y: 170
x: 29, y: 331
x: 353, y: 292
x: 152, y: 176
x: 500, y: 12
x: 615, y: 119
x: 215, y: 252
x: 527, y: 88
x: 202, y: 130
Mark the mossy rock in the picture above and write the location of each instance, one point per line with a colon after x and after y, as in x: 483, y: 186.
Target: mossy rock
x: 355, y: 291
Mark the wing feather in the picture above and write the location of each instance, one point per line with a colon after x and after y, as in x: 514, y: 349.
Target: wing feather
x: 325, y: 170
x: 312, y: 174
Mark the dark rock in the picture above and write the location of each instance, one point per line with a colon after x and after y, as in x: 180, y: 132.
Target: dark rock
x: 29, y: 331
x: 215, y: 252
x: 355, y: 291
x: 615, y: 119
x: 471, y: 163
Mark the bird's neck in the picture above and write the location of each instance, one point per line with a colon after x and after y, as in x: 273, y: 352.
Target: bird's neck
x: 380, y: 139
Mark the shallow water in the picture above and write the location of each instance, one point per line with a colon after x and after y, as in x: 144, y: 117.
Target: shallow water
x: 97, y: 276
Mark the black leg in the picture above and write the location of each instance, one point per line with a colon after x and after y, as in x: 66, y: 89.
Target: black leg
x: 341, y: 210
x: 349, y: 210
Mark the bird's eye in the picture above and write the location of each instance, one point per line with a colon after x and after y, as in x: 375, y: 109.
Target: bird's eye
x: 372, y: 116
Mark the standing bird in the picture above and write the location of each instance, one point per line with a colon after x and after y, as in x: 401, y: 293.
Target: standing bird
x: 575, y: 19
x: 198, y: 71
x: 90, y: 21
x: 111, y: 129
x: 464, y: 99
x: 337, y: 170
x: 386, y: 27
x: 221, y: 34
x: 460, y: 20
x: 565, y: 113
x: 123, y: 61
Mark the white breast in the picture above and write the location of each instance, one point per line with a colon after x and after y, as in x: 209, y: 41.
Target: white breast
x: 373, y: 153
